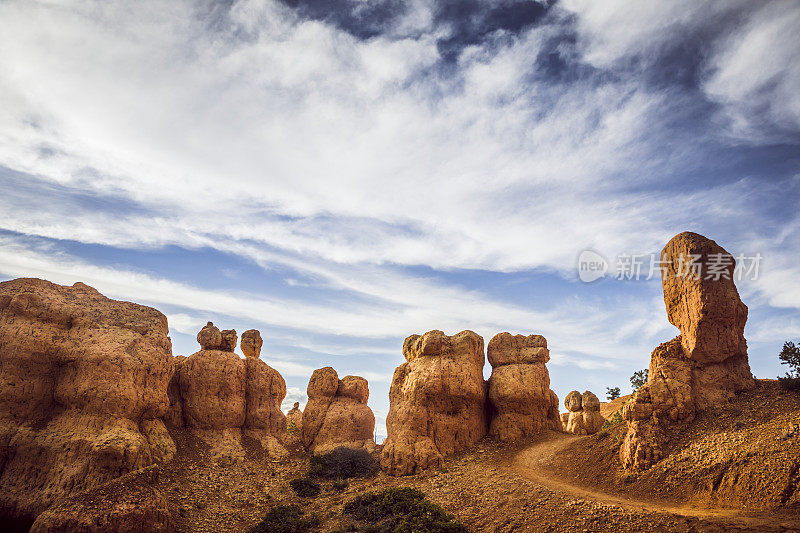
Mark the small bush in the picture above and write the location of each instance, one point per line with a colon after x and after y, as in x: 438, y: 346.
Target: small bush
x: 343, y: 463
x: 339, y: 485
x: 285, y: 519
x: 305, y: 488
x: 615, y: 419
x: 401, y: 510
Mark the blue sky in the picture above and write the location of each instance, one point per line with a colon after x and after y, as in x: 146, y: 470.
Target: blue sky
x: 343, y: 173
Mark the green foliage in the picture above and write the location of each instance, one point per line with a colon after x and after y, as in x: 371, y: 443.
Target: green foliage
x: 638, y: 379
x: 285, y: 519
x: 612, y: 393
x: 401, y: 510
x: 790, y: 355
x: 305, y: 488
x: 615, y: 419
x: 343, y: 463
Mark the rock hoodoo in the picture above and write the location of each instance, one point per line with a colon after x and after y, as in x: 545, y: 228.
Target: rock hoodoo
x: 437, y: 401
x: 83, y: 387
x: 294, y: 419
x: 702, y: 367
x: 251, y: 343
x: 522, y: 403
x: 337, y: 413
x: 220, y: 396
x: 583, y: 417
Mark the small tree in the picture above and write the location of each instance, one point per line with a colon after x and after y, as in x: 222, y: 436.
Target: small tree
x: 790, y: 355
x: 638, y: 379
x: 612, y: 393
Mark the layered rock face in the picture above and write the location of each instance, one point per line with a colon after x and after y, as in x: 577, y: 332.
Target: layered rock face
x: 221, y: 397
x: 337, y: 413
x: 519, y: 389
x: 437, y: 401
x: 83, y: 387
x: 706, y: 364
x: 584, y: 416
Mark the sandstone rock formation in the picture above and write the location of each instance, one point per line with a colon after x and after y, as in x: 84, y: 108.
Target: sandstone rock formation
x: 220, y: 397
x: 251, y: 343
x: 553, y: 416
x: 83, y: 387
x: 519, y: 388
x: 294, y: 419
x: 583, y: 417
x: 437, y: 401
x: 128, y: 504
x: 228, y: 340
x: 592, y: 419
x: 706, y: 364
x: 337, y: 413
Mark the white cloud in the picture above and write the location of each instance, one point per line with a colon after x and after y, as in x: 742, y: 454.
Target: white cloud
x: 183, y: 323
x: 293, y: 144
x: 756, y: 73
x: 293, y: 394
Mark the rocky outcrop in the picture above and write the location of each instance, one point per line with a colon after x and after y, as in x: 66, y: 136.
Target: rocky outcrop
x: 221, y: 397
x: 336, y: 413
x: 83, y: 387
x: 128, y: 504
x: 519, y: 389
x: 706, y: 364
x: 437, y: 401
x: 583, y: 417
x: 294, y: 419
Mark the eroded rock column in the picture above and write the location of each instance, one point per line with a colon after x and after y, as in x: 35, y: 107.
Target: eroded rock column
x: 702, y: 367
x: 437, y: 401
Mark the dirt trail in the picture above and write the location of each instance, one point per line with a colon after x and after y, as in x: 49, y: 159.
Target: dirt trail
x: 534, y: 463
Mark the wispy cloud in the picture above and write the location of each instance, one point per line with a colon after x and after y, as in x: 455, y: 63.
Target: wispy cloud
x: 383, y: 159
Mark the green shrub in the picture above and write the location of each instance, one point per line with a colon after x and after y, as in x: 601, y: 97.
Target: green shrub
x: 401, y: 510
x: 615, y: 419
x: 305, y: 488
x: 285, y: 519
x: 612, y: 393
x: 343, y: 463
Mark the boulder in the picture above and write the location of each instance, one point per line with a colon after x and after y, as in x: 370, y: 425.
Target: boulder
x: 220, y: 397
x: 437, y: 401
x: 704, y: 366
x: 83, y: 385
x: 336, y: 413
x: 251, y: 343
x: 519, y: 388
